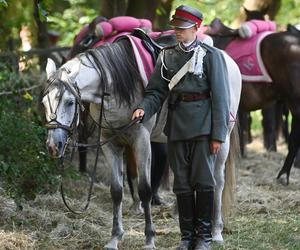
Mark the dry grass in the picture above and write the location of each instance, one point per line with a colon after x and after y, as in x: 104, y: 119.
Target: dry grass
x: 266, y: 214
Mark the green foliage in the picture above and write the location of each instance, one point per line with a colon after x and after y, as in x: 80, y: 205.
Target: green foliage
x: 289, y: 12
x: 226, y: 10
x: 25, y: 166
x: 3, y: 3
x: 16, y: 14
x: 70, y: 22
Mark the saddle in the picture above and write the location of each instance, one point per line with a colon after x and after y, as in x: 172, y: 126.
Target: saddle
x: 293, y: 30
x: 217, y: 28
x: 150, y: 45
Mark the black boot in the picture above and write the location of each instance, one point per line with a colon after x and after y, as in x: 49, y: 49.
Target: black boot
x: 203, y: 221
x: 186, y: 212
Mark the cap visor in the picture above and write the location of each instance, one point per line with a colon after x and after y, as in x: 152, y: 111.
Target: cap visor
x: 181, y: 24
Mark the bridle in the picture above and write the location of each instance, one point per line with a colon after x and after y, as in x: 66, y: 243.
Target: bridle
x: 54, y: 123
x: 74, y: 90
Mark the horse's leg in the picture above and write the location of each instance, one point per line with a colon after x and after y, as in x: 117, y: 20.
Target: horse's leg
x: 142, y: 149
x: 243, y: 125
x: 114, y: 157
x: 132, y: 171
x: 158, y: 166
x: 219, y: 174
x: 294, y: 145
x: 281, y: 119
x: 82, y: 138
x: 269, y: 129
x: 297, y: 160
x: 248, y: 128
x: 285, y: 129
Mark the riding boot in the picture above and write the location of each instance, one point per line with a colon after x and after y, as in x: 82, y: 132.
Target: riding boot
x: 203, y: 219
x: 186, y: 212
x: 158, y: 165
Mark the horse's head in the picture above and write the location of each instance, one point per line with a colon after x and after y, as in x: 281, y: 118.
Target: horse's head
x: 62, y: 104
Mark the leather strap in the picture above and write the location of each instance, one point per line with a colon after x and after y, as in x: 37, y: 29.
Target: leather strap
x: 178, y: 76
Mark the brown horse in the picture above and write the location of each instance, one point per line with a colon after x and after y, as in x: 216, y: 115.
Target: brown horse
x: 272, y: 115
x: 281, y: 56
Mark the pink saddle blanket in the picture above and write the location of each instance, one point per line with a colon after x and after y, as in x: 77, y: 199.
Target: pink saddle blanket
x: 142, y: 56
x: 247, y: 55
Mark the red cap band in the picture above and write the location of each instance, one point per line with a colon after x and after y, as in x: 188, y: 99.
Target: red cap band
x: 183, y: 14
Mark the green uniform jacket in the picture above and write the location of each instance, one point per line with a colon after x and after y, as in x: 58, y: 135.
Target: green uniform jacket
x: 187, y: 120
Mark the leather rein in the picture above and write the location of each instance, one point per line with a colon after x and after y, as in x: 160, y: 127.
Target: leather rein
x: 54, y: 124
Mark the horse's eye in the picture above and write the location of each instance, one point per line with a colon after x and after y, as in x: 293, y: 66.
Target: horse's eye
x: 70, y: 103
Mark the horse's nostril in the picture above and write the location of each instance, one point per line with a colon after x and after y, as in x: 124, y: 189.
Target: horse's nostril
x: 60, y: 145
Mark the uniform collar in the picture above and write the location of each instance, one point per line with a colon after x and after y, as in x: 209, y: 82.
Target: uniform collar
x: 189, y: 48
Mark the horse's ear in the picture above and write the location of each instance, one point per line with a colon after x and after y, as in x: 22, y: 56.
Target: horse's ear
x: 50, y: 68
x: 246, y: 10
x: 265, y: 10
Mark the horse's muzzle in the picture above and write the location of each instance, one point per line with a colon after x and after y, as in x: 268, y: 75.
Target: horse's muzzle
x: 56, y: 141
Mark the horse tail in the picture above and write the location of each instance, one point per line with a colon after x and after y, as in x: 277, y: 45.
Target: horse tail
x: 228, y: 197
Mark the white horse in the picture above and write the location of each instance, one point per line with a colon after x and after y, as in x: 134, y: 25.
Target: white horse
x: 112, y: 69
x: 229, y: 148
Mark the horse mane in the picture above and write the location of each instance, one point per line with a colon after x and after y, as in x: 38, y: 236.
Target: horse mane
x: 116, y: 62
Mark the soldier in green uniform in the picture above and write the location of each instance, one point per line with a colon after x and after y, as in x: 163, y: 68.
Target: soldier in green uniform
x: 194, y: 78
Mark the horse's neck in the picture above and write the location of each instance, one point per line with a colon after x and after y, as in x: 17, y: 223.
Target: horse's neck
x: 222, y: 42
x: 115, y: 114
x: 89, y: 82
x: 91, y: 89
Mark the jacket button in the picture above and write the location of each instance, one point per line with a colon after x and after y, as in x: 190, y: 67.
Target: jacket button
x: 170, y: 52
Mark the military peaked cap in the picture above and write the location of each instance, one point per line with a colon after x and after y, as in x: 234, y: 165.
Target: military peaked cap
x: 186, y: 17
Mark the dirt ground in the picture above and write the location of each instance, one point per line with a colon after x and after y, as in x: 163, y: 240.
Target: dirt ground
x: 266, y: 214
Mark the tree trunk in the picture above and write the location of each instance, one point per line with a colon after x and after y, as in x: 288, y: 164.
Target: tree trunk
x: 112, y: 8
x: 142, y: 8
x: 162, y: 18
x: 42, y: 33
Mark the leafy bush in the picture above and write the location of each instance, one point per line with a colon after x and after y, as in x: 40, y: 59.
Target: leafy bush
x: 25, y: 167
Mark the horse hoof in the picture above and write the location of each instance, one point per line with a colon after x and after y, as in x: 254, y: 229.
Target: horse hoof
x: 218, y: 239
x: 219, y: 242
x: 110, y: 248
x: 137, y: 208
x: 158, y: 201
x: 149, y: 247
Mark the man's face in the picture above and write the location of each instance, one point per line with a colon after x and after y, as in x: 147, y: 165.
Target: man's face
x: 186, y: 35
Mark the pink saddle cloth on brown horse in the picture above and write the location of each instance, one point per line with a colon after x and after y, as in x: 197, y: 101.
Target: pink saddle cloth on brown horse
x: 247, y: 53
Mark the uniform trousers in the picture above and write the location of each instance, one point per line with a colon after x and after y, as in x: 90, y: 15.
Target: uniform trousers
x: 192, y: 164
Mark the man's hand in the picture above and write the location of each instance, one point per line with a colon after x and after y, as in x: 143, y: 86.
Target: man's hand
x: 138, y: 113
x: 215, y: 147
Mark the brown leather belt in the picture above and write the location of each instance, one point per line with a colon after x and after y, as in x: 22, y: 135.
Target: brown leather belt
x: 194, y: 97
